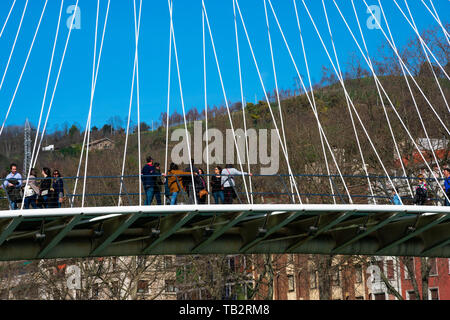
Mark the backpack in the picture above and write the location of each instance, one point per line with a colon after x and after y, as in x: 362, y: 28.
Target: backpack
x: 421, y: 196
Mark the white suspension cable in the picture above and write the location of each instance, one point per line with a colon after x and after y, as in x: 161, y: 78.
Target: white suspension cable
x: 447, y: 35
x: 314, y: 107
x: 421, y: 40
x: 7, y: 18
x: 32, y: 160
x: 390, y: 102
x: 277, y: 90
x: 409, y: 72
x: 138, y: 102
x: 168, y: 106
x: 172, y: 30
x: 310, y: 102
x: 267, y: 100
x: 56, y: 83
x: 348, y: 106
x: 428, y: 60
x: 137, y: 34
x: 243, y: 102
x: 438, y: 20
x: 206, y: 106
x: 14, y: 45
x: 416, y: 106
x: 382, y: 103
x: 24, y: 67
x: 351, y: 102
x: 226, y: 102
x: 87, y: 131
x: 88, y: 122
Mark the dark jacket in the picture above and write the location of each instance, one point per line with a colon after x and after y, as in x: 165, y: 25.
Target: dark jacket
x: 216, y: 184
x: 158, y: 180
x: 46, y: 184
x: 58, y: 185
x: 148, y: 176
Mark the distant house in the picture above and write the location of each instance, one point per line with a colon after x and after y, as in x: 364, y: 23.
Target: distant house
x: 440, y: 148
x: 49, y: 148
x: 102, y: 144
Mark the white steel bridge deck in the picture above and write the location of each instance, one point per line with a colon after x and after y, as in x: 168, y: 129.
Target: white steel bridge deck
x: 225, y: 229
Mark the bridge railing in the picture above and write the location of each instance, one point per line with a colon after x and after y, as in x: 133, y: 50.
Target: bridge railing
x: 280, y: 188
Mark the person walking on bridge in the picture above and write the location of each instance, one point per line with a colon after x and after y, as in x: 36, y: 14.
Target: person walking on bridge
x: 228, y: 182
x: 421, y: 191
x: 148, y: 180
x: 447, y: 185
x: 175, y: 182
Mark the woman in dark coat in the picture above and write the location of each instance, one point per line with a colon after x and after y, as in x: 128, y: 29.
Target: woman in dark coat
x: 58, y: 189
x: 44, y: 188
x: 200, y: 184
x: 216, y: 186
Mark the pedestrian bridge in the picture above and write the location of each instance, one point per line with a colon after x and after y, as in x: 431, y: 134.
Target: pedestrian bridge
x: 345, y: 229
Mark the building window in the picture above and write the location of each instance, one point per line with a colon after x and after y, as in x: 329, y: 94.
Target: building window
x: 434, y: 294
x: 291, y: 258
x: 433, y: 265
x: 168, y: 262
x: 358, y: 273
x: 411, y: 295
x: 95, y: 290
x: 380, y: 264
x: 390, y: 269
x: 291, y: 283
x: 170, y: 286
x: 142, y: 286
x: 380, y: 296
x: 335, y: 278
x: 115, y: 288
x: 231, y: 264
x: 410, y: 262
x: 312, y: 280
x: 141, y: 261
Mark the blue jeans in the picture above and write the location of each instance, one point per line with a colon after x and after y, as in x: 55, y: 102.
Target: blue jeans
x: 150, y: 192
x: 219, y: 195
x: 12, y: 205
x: 173, y: 198
x: 30, y: 200
x: 44, y: 201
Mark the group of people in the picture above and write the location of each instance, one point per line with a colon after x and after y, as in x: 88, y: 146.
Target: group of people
x: 45, y: 192
x: 191, y: 181
x: 421, y: 190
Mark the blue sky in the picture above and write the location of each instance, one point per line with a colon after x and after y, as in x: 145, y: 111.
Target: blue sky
x: 71, y: 103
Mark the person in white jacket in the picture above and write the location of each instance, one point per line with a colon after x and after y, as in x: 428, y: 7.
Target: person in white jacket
x: 228, y: 183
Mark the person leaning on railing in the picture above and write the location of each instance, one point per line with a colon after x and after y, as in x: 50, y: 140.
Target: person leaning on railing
x: 447, y: 185
x: 12, y: 185
x: 58, y: 186
x: 175, y: 182
x: 31, y: 191
x: 216, y: 186
x: 44, y: 188
x: 228, y: 182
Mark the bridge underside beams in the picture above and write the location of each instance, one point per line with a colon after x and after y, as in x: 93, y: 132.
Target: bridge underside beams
x: 288, y: 231
x: 182, y: 245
